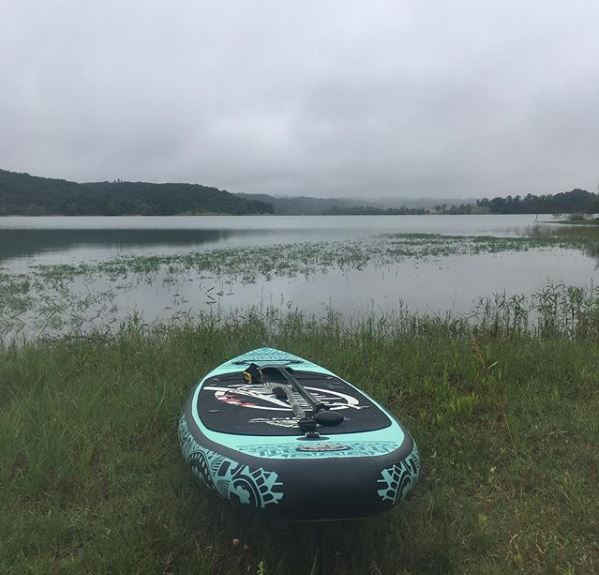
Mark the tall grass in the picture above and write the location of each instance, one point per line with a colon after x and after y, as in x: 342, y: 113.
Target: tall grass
x: 556, y: 309
x: 91, y: 478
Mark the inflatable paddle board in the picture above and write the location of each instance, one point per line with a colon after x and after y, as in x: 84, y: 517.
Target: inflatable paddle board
x: 276, y: 432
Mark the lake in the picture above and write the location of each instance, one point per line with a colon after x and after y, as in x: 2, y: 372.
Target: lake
x: 63, y: 274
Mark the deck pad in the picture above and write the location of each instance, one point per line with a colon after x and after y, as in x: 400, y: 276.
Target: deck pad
x: 228, y: 404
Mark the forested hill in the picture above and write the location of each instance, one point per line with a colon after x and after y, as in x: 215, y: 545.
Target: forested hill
x: 304, y: 205
x: 22, y: 194
x: 572, y: 202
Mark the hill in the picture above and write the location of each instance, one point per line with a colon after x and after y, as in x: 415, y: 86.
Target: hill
x: 303, y: 205
x: 23, y: 194
x: 575, y: 201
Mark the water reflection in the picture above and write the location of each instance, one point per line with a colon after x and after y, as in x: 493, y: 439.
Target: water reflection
x: 585, y: 237
x: 18, y: 243
x: 67, y: 240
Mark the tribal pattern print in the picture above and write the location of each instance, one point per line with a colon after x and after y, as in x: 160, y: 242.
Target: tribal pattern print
x: 230, y: 479
x: 352, y: 449
x: 267, y: 354
x: 398, y: 480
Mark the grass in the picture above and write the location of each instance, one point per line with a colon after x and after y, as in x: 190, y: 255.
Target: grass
x: 306, y: 258
x: 92, y: 481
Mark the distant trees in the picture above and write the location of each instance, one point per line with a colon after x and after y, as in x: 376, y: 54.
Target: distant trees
x: 372, y: 211
x: 23, y: 194
x: 457, y: 210
x: 574, y: 201
x: 30, y: 195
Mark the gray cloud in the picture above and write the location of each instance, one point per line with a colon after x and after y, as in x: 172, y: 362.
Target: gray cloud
x: 329, y: 98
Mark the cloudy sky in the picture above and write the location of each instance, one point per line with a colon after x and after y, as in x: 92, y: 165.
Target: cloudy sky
x: 409, y: 98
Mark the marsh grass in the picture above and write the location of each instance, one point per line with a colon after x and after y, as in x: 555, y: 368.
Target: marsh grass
x: 556, y: 309
x: 67, y: 298
x: 306, y: 258
x: 92, y: 481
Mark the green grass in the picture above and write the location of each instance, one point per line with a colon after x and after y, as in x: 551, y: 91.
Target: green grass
x: 92, y: 480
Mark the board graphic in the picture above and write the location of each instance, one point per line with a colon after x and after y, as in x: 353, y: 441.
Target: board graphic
x: 261, y: 397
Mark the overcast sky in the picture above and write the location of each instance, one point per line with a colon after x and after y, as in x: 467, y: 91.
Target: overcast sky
x: 325, y: 98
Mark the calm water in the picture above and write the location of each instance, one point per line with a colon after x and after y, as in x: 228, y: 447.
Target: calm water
x: 433, y: 284
x: 40, y: 240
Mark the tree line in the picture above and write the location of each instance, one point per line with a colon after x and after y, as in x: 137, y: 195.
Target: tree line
x: 576, y: 201
x: 22, y: 194
x: 372, y: 211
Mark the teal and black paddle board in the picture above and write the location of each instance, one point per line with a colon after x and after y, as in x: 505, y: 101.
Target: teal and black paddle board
x: 276, y: 432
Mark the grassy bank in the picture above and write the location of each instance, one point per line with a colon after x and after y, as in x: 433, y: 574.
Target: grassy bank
x: 92, y: 481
